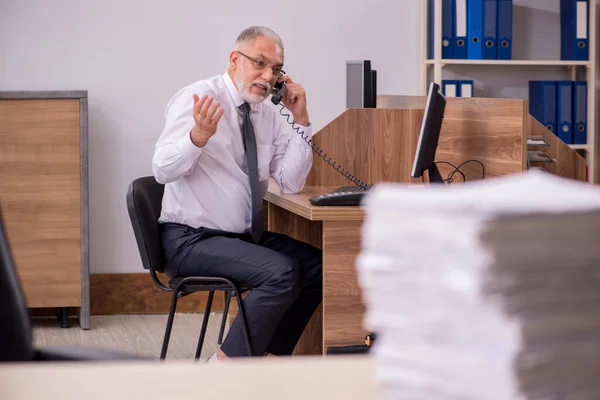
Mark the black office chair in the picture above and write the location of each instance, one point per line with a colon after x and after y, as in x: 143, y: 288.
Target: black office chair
x: 144, y: 201
x: 16, y: 335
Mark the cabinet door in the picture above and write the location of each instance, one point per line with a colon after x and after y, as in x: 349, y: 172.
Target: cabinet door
x: 40, y: 196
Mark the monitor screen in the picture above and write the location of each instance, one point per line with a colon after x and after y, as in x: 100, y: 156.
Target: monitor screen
x: 429, y: 136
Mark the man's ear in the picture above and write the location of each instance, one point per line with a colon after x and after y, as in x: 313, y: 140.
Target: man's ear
x: 234, y: 59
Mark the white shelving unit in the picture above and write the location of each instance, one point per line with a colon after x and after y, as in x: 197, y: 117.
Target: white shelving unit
x: 590, y: 67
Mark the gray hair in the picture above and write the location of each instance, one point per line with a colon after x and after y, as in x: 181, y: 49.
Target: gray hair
x: 248, y: 35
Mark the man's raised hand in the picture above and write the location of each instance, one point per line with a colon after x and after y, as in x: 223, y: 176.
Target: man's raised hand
x: 207, y: 115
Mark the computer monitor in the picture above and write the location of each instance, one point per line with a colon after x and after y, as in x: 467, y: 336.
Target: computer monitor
x: 429, y: 136
x: 361, y: 84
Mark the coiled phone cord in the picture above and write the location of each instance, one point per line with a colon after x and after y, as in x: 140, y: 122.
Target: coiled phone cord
x: 320, y: 152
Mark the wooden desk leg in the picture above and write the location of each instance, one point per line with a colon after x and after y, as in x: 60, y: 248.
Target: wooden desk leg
x: 342, y: 306
x: 283, y: 221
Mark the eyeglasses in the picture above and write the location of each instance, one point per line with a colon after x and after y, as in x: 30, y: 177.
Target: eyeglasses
x: 259, y: 64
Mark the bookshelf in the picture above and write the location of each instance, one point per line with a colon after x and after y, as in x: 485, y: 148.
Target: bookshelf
x: 588, y: 68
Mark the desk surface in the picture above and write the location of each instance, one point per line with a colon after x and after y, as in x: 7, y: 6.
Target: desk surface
x: 300, y: 205
x: 292, y: 378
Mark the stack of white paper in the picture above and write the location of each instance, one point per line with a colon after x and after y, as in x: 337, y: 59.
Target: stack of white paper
x: 487, y: 290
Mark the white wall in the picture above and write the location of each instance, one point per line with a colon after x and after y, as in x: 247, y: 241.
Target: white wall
x: 132, y: 55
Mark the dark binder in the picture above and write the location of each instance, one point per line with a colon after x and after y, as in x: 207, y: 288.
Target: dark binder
x: 465, y: 88
x: 505, y: 17
x: 564, y: 111
x: 459, y: 20
x: 580, y: 106
x: 447, y: 28
x: 475, y: 29
x: 574, y: 29
x: 490, y: 30
x: 450, y: 88
x: 542, y: 103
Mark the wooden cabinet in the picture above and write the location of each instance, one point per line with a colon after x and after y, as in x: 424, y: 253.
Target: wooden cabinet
x: 44, y: 195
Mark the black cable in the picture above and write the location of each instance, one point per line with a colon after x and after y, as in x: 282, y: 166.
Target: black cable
x: 479, y: 162
x: 451, y: 174
x: 446, y: 162
x: 450, y: 177
x: 319, y: 152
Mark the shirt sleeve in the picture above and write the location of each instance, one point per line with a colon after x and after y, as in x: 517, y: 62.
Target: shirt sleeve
x: 175, y: 154
x: 292, y: 158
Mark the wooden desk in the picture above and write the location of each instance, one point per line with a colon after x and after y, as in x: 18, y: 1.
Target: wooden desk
x: 379, y: 145
x: 335, y: 230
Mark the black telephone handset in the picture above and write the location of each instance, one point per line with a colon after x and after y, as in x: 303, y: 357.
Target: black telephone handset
x: 279, y: 89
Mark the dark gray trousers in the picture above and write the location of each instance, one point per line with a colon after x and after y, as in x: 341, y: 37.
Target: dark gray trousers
x: 284, y: 275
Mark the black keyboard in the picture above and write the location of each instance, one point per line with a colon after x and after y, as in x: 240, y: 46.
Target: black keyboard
x: 341, y: 196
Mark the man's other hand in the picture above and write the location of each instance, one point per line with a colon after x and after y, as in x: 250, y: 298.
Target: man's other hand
x: 207, y: 115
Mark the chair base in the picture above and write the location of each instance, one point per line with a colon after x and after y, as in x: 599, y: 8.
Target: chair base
x: 224, y: 321
x: 189, y: 285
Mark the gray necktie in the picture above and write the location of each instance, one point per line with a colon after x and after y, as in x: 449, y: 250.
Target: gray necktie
x: 257, y: 227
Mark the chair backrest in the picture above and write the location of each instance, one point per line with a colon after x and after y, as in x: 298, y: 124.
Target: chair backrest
x: 16, y: 337
x: 144, y: 201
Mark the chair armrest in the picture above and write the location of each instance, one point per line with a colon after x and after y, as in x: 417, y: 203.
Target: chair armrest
x: 83, y: 353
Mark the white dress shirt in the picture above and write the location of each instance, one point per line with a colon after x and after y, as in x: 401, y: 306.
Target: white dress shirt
x: 210, y: 186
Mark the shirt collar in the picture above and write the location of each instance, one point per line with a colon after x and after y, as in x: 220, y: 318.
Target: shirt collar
x: 233, y: 92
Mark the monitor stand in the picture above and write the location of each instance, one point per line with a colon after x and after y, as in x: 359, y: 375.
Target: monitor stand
x: 434, y: 174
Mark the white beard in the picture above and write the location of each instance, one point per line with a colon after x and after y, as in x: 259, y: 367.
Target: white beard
x: 244, y: 89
